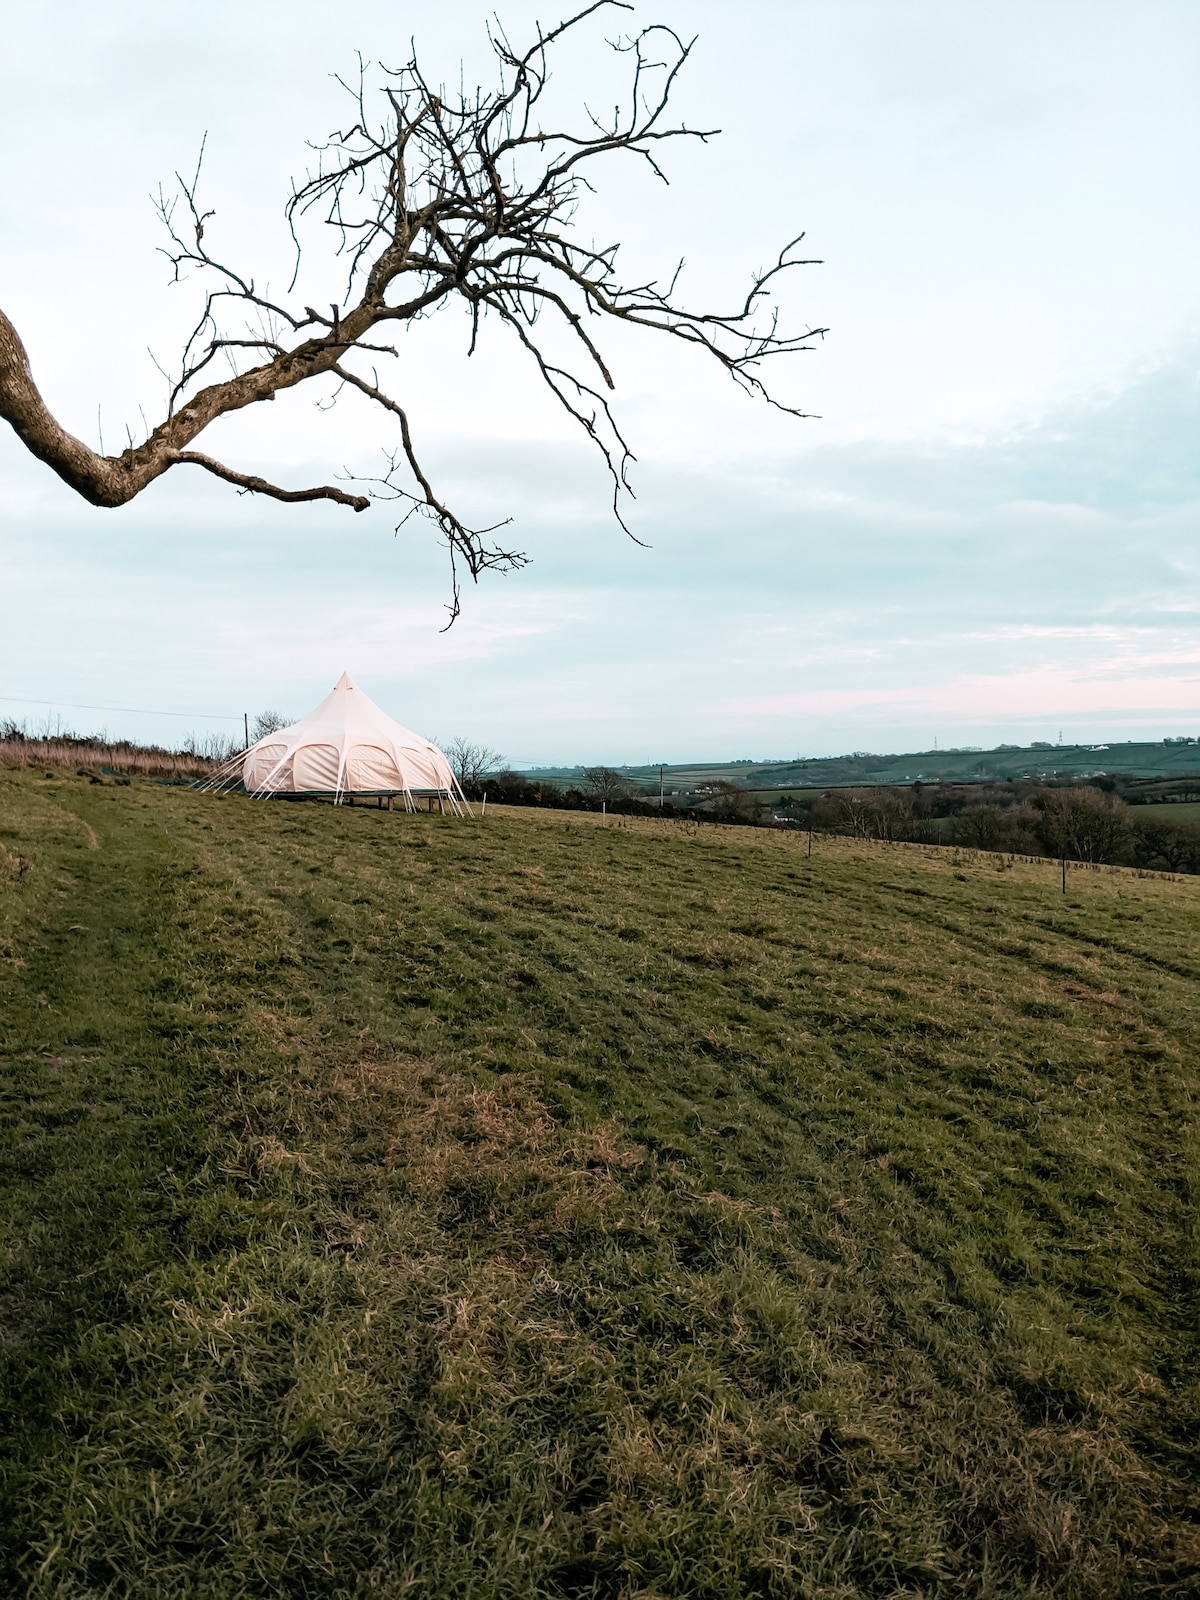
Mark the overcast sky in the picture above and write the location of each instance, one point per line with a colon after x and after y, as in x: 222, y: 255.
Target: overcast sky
x: 989, y: 533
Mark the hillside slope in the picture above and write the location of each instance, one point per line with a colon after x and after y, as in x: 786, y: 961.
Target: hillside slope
x: 540, y: 1207
x: 1170, y: 759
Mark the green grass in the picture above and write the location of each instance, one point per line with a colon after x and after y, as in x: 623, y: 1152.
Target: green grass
x: 1177, y: 811
x: 539, y: 1207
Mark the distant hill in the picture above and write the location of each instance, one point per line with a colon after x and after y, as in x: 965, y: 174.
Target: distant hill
x: 1166, y: 759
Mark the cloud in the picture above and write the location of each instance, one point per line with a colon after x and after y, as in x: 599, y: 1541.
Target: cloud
x: 955, y: 546
x: 834, y: 597
x: 981, y: 699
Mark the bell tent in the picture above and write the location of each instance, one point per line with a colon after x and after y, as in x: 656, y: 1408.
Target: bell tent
x: 345, y: 747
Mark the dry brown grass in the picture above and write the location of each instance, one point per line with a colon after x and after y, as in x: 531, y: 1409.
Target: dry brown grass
x: 96, y: 757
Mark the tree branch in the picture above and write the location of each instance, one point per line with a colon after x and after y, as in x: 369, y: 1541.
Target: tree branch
x: 253, y: 485
x: 433, y: 199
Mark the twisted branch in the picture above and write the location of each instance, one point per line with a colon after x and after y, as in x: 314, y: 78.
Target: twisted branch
x: 433, y: 199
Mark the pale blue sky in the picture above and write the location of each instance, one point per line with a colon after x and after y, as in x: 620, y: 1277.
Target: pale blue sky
x: 990, y: 534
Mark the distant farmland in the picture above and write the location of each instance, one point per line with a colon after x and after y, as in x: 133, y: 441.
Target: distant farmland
x: 953, y: 766
x: 1182, y: 811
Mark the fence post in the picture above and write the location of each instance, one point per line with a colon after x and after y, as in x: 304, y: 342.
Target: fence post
x: 1064, y: 874
x: 483, y: 808
x: 810, y: 844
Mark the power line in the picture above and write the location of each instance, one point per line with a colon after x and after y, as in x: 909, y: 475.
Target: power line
x: 140, y: 711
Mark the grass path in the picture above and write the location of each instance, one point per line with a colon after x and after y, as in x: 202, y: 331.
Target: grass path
x: 544, y: 1208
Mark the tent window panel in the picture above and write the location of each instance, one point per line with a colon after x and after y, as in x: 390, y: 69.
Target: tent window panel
x: 370, y: 767
x: 315, y: 766
x: 261, y: 763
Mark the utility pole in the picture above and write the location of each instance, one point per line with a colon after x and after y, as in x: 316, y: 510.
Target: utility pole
x: 246, y: 727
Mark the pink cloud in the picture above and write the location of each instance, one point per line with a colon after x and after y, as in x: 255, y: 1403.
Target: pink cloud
x: 1042, y: 692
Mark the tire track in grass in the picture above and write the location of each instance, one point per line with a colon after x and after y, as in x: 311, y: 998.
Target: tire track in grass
x: 100, y: 1129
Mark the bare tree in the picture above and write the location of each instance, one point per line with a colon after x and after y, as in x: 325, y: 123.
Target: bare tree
x: 268, y: 722
x: 603, y: 783
x: 729, y: 801
x: 879, y: 813
x: 471, y: 762
x: 1156, y: 843
x: 435, y: 199
x: 216, y: 748
x: 979, y: 827
x: 1084, y: 824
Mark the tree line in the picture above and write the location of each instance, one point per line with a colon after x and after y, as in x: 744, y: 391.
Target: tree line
x: 1083, y: 822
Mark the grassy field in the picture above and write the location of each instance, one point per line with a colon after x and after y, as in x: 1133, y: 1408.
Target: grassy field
x: 545, y: 1207
x: 1179, y: 811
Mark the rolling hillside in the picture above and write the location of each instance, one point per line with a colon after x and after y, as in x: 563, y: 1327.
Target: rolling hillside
x: 1155, y: 760
x: 542, y: 1206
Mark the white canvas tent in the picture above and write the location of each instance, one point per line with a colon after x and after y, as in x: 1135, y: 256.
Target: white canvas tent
x: 347, y: 746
